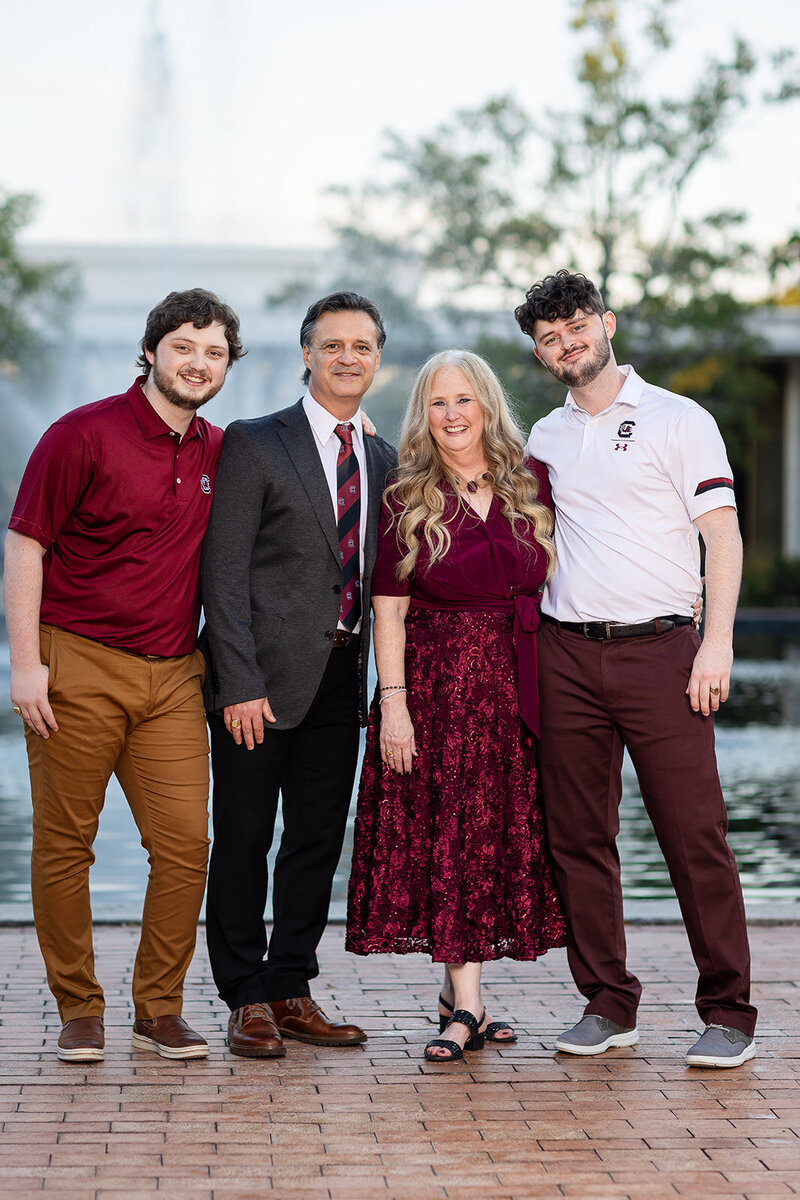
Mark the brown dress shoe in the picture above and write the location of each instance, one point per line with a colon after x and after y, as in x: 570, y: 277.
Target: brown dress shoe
x: 82, y: 1040
x: 169, y: 1036
x: 302, y: 1018
x: 252, y: 1032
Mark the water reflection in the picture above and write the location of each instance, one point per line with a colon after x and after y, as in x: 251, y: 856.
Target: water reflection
x: 759, y: 758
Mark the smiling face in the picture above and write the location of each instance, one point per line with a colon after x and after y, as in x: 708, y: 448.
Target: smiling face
x: 577, y: 349
x: 189, y: 365
x: 342, y: 357
x: 455, y: 419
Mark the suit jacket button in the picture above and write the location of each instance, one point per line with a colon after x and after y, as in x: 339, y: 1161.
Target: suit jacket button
x: 336, y: 589
x: 329, y: 634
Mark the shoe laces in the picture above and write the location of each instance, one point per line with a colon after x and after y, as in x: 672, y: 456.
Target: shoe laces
x: 258, y: 1011
x: 733, y: 1035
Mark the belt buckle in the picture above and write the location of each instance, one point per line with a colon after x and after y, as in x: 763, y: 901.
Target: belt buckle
x: 596, y: 637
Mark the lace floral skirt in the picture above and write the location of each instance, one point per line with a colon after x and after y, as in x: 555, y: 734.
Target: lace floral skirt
x: 451, y: 860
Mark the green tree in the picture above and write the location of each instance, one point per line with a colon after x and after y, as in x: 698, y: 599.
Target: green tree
x: 33, y: 297
x: 495, y: 196
x: 33, y: 302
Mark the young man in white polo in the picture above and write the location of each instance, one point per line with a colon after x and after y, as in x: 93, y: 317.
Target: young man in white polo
x: 635, y: 472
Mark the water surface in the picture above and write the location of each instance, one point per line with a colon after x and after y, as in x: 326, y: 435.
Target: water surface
x: 759, y: 759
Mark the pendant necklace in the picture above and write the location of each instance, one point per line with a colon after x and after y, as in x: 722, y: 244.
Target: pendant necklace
x: 472, y: 485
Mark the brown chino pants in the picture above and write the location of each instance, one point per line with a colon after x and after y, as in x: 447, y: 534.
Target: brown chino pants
x: 143, y: 720
x: 598, y: 698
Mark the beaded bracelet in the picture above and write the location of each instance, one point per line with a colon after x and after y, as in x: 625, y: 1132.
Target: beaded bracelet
x: 390, y: 687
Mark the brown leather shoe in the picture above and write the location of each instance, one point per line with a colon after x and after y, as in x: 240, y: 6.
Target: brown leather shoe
x: 170, y: 1036
x: 252, y: 1032
x: 303, y: 1019
x: 82, y: 1040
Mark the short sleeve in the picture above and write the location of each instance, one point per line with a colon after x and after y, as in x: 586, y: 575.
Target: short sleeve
x: 699, y: 466
x: 538, y: 469
x: 390, y: 553
x: 54, y: 480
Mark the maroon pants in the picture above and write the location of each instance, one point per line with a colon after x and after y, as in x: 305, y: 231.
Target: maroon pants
x: 599, y: 698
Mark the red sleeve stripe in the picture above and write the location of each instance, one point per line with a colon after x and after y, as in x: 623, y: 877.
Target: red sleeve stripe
x: 708, y: 485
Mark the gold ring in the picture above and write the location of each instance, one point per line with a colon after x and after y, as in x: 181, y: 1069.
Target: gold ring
x: 236, y: 723
x: 18, y: 710
x: 390, y: 753
x: 715, y: 691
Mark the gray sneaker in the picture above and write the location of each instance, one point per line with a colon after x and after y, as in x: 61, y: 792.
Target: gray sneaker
x: 721, y: 1046
x: 594, y: 1035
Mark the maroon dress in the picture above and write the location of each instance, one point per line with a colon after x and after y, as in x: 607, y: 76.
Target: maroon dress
x: 451, y: 859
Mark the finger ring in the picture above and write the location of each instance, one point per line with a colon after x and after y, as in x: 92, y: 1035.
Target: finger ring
x: 715, y: 691
x: 18, y: 710
x: 236, y: 723
x: 390, y: 753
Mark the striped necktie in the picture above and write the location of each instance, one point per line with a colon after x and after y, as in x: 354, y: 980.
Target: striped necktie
x: 348, y: 509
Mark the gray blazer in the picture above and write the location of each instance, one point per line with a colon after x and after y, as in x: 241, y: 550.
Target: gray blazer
x: 270, y: 572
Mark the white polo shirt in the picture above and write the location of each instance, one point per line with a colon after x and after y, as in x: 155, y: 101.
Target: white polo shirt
x: 627, y: 485
x: 323, y: 425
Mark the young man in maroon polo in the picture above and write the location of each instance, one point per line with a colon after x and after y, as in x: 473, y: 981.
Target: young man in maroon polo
x: 635, y: 471
x: 102, y: 605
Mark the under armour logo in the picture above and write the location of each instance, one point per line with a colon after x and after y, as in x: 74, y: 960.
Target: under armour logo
x: 620, y: 445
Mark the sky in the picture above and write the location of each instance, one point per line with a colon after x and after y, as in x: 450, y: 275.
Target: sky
x: 261, y: 106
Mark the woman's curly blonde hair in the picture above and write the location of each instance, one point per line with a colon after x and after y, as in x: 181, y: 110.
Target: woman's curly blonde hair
x: 418, y: 483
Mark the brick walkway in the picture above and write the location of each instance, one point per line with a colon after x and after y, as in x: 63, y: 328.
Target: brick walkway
x: 375, y: 1121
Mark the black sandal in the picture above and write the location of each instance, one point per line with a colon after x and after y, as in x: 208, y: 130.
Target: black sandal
x: 476, y: 1040
x: 493, y: 1028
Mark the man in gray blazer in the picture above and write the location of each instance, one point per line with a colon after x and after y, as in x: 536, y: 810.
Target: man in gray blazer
x: 286, y: 571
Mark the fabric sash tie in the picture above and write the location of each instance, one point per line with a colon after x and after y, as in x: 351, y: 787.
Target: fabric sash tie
x: 526, y: 626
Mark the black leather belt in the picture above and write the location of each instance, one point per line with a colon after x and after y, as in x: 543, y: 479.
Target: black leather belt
x: 602, y: 631
x: 342, y: 637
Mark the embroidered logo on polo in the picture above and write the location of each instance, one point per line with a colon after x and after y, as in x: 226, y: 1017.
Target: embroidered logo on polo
x: 624, y: 435
x: 708, y: 485
x: 205, y: 485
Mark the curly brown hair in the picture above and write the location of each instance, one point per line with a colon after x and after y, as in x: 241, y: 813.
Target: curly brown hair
x: 194, y: 307
x: 556, y: 298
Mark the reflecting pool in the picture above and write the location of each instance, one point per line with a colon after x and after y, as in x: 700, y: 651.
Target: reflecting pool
x: 759, y: 758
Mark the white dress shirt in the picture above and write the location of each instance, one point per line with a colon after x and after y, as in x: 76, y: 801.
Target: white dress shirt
x: 323, y: 425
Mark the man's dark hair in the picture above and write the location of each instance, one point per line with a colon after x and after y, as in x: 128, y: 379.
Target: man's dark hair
x: 557, y: 298
x: 195, y: 307
x: 335, y: 303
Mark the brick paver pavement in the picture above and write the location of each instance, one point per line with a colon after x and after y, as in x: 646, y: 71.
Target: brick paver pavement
x: 375, y: 1120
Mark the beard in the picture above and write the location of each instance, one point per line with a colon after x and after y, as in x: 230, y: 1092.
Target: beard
x: 585, y: 372
x: 169, y: 390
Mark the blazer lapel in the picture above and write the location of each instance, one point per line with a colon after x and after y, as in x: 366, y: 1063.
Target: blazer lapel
x: 298, y: 440
x: 376, y: 473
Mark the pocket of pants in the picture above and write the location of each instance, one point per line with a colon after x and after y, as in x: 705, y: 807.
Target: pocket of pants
x: 48, y: 654
x: 200, y: 658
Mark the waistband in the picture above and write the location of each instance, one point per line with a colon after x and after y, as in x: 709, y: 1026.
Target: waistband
x: 343, y: 637
x: 602, y: 631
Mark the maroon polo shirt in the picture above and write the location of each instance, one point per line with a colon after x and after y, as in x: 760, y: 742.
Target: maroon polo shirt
x: 121, y: 505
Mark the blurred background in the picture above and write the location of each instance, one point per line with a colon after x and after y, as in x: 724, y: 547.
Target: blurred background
x: 439, y: 158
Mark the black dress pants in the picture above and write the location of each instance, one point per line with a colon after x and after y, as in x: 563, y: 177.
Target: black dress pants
x: 313, y: 768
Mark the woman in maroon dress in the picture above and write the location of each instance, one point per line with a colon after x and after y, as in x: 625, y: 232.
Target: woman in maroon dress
x: 449, y: 855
